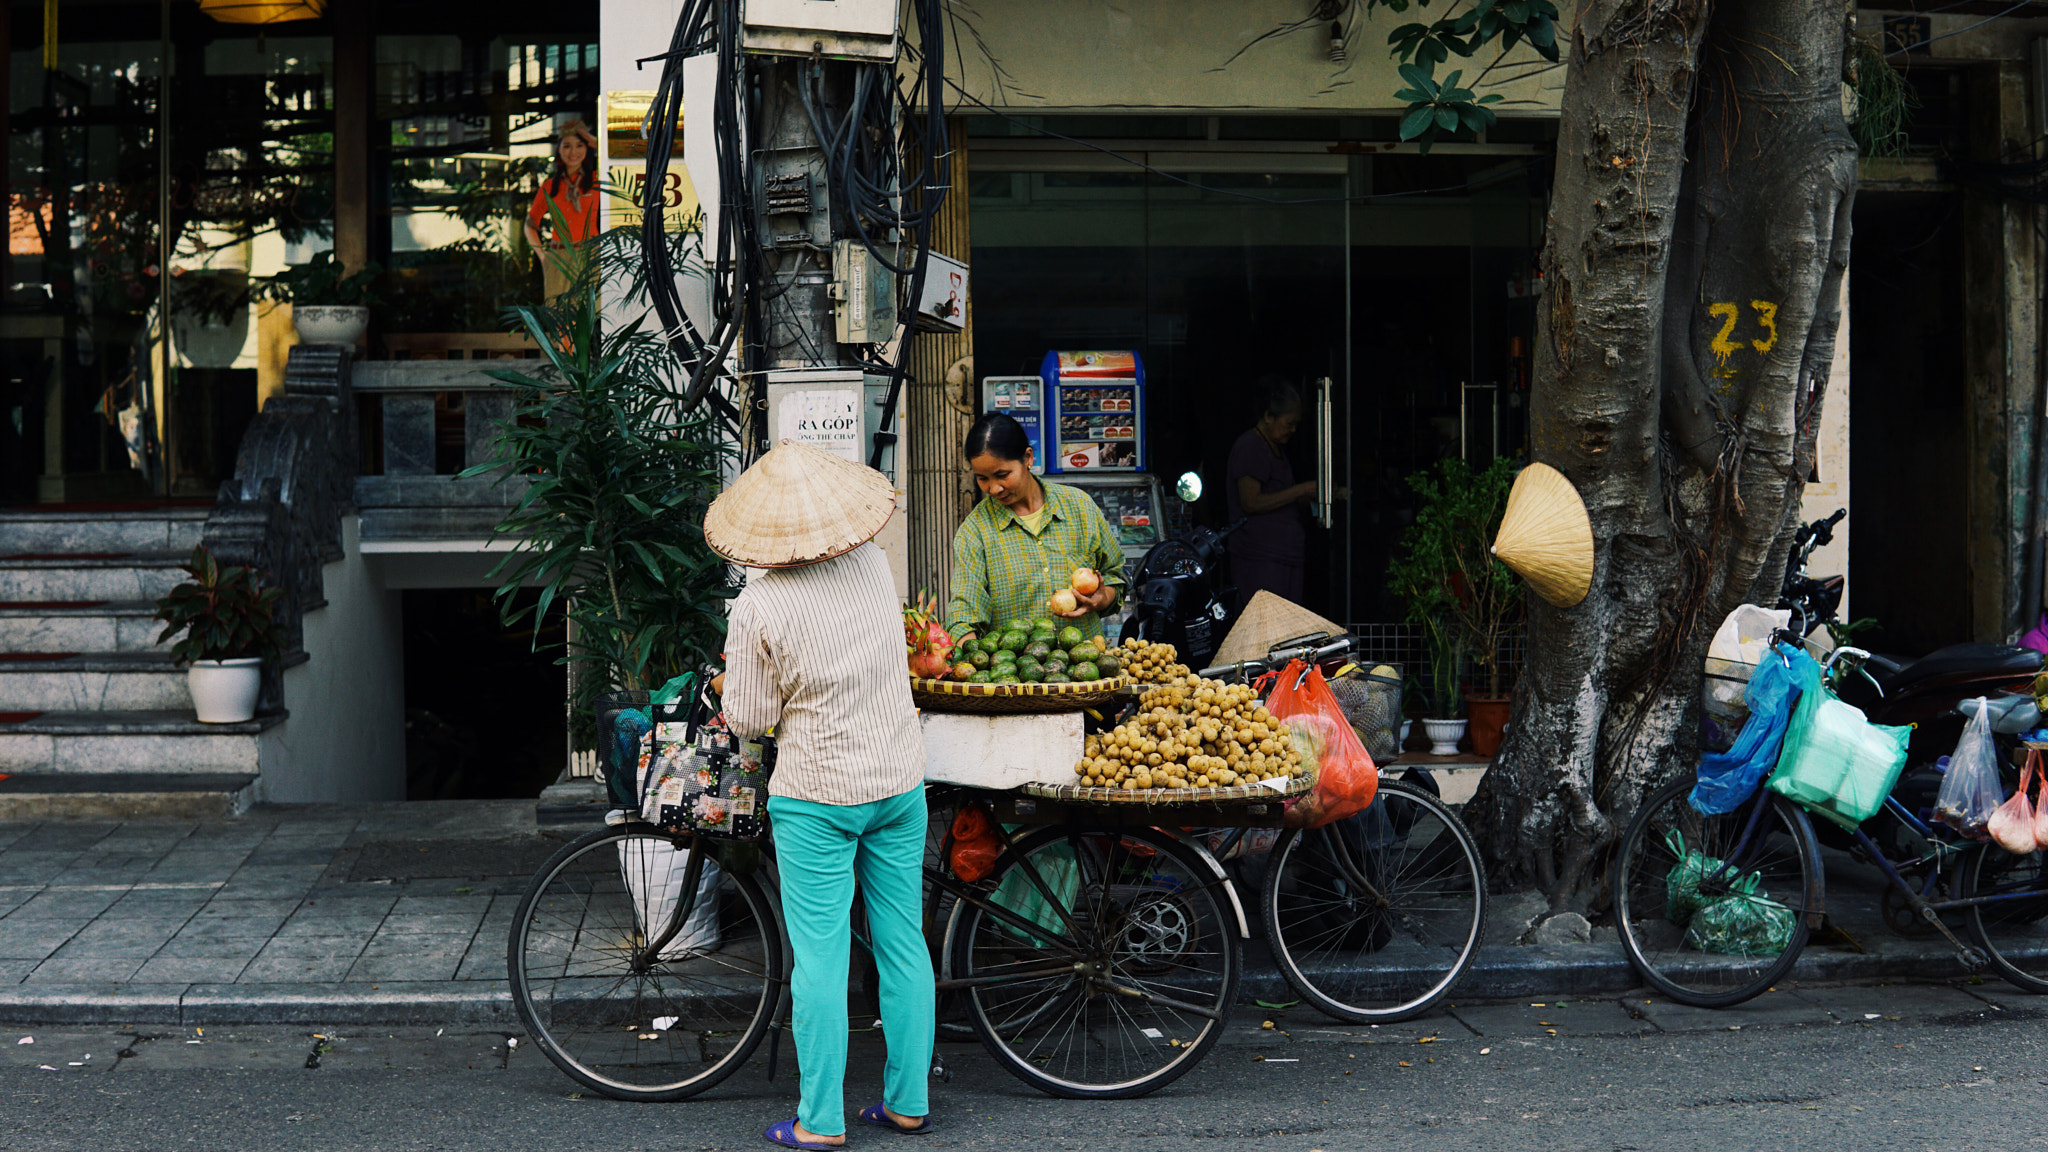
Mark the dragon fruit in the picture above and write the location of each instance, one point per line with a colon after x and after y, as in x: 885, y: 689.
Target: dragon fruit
x: 929, y: 645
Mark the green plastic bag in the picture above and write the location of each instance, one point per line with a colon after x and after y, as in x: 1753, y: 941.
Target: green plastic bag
x: 1682, y: 899
x: 1836, y: 763
x: 1742, y: 924
x: 1062, y: 875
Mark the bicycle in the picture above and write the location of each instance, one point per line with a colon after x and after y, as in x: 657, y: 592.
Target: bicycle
x: 1376, y: 918
x: 1674, y: 858
x: 1094, y: 962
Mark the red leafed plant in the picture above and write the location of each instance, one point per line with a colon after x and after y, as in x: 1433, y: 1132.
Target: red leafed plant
x: 224, y: 612
x: 929, y: 645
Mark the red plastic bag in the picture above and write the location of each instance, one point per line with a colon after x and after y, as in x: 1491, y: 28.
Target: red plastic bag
x: 975, y: 844
x: 2012, y: 826
x: 1346, y: 778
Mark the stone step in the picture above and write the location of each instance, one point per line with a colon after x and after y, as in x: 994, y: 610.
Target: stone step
x: 125, y: 795
x: 172, y: 529
x: 125, y: 742
x: 83, y: 576
x: 110, y: 626
x: 115, y: 681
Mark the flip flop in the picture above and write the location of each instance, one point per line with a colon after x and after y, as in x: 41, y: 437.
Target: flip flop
x: 783, y: 1132
x: 874, y: 1114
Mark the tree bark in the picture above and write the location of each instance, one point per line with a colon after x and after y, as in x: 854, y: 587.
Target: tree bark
x: 1697, y: 240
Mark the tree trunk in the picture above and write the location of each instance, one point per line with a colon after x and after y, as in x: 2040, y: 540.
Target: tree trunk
x: 1698, y: 236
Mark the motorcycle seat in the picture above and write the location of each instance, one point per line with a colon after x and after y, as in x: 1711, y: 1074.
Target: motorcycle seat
x: 1962, y: 662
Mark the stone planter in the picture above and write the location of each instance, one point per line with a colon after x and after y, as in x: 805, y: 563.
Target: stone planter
x: 1444, y: 736
x: 330, y: 323
x: 224, y: 691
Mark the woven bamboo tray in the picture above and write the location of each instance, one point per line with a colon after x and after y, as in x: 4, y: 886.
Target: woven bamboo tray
x: 1000, y: 699
x: 1297, y: 784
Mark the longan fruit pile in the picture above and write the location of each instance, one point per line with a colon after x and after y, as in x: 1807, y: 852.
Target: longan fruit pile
x: 1191, y: 733
x: 1150, y: 663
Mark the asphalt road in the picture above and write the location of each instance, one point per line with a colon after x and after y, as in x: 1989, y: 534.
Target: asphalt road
x: 1870, y: 1067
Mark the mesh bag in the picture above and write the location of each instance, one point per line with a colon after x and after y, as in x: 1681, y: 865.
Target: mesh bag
x: 1372, y: 705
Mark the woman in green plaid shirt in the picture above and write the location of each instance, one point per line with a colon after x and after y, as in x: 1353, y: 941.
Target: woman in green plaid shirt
x: 1024, y: 540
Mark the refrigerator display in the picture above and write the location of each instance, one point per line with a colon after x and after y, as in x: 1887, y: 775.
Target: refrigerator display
x: 1023, y: 398
x: 1095, y: 402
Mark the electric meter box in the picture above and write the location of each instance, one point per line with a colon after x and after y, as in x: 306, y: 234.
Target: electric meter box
x: 942, y: 307
x: 863, y: 295
x: 836, y: 409
x: 840, y: 29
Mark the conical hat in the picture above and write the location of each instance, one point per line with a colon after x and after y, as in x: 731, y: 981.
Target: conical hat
x: 1545, y: 536
x: 1266, y: 621
x: 798, y: 505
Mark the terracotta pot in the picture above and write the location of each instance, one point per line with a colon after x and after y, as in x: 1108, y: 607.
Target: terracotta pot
x: 1489, y: 716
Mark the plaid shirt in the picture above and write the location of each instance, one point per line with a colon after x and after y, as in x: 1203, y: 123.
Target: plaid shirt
x: 1002, y: 572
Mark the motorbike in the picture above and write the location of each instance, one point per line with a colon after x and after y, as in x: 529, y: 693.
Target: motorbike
x: 1934, y: 693
x: 1929, y: 692
x: 1175, y: 598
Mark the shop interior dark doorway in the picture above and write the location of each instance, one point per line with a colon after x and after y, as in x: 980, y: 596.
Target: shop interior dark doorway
x: 484, y: 712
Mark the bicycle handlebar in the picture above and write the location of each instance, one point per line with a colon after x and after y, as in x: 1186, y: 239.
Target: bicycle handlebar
x: 1279, y: 657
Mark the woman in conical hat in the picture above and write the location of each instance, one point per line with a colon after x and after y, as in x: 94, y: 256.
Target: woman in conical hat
x: 814, y: 651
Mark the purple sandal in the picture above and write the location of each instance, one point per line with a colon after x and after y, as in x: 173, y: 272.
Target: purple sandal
x: 874, y: 1114
x: 783, y: 1132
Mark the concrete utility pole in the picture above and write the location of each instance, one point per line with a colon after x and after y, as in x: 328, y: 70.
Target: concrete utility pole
x: 796, y: 219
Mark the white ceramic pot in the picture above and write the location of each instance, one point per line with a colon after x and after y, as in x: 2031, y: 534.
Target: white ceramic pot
x: 330, y: 323
x: 1407, y: 726
x: 224, y: 691
x: 1444, y: 736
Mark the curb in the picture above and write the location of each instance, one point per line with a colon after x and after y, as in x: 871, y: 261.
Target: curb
x: 192, y: 1005
x: 1501, y: 972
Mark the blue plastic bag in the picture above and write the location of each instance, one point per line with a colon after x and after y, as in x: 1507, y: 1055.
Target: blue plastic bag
x: 1726, y: 779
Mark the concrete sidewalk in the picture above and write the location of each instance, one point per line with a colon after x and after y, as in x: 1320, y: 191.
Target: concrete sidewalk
x: 398, y: 914
x: 384, y: 913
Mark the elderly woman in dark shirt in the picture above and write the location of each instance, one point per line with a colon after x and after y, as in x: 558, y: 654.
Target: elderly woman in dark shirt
x: 1270, y: 550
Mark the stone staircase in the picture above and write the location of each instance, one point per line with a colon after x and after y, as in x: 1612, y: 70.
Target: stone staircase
x: 95, y: 720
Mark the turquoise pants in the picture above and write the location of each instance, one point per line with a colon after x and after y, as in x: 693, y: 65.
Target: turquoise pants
x: 820, y: 849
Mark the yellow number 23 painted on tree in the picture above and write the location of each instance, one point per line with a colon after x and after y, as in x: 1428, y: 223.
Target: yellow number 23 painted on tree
x: 1766, y: 317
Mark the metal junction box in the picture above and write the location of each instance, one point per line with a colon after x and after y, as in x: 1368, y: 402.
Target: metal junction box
x: 863, y: 295
x: 841, y: 29
x: 942, y: 307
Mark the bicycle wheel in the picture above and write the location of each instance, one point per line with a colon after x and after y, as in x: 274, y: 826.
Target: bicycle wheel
x: 1660, y: 883
x: 614, y: 1019
x: 1373, y: 919
x: 2013, y: 932
x: 1104, y: 968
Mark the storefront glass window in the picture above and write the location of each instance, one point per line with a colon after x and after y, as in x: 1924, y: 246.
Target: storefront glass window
x: 1416, y: 301
x: 467, y: 114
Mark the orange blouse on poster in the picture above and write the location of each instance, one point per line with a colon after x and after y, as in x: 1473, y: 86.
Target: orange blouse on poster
x: 579, y: 211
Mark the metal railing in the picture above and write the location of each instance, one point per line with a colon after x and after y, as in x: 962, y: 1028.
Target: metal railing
x: 423, y: 422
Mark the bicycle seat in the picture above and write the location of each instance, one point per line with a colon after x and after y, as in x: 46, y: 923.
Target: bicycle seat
x: 1960, y: 663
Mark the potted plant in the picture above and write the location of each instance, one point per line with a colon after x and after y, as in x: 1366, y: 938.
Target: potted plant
x: 1465, y: 599
x: 330, y: 304
x: 610, y: 529
x: 226, y: 619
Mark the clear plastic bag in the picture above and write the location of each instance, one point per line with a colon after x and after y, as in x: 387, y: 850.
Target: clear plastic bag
x: 1971, y: 791
x: 2040, y: 798
x: 2012, y: 826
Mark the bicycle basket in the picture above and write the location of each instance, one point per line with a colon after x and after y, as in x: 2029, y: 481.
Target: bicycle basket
x: 1372, y: 706
x: 698, y: 777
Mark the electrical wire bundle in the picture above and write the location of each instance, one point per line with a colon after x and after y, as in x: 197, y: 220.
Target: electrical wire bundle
x: 733, y: 255
x: 867, y: 189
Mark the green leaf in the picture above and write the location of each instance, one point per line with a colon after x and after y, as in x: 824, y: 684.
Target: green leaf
x: 1491, y: 98
x: 1418, y: 77
x: 1276, y: 1007
x: 1418, y: 119
x: 1446, y: 118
